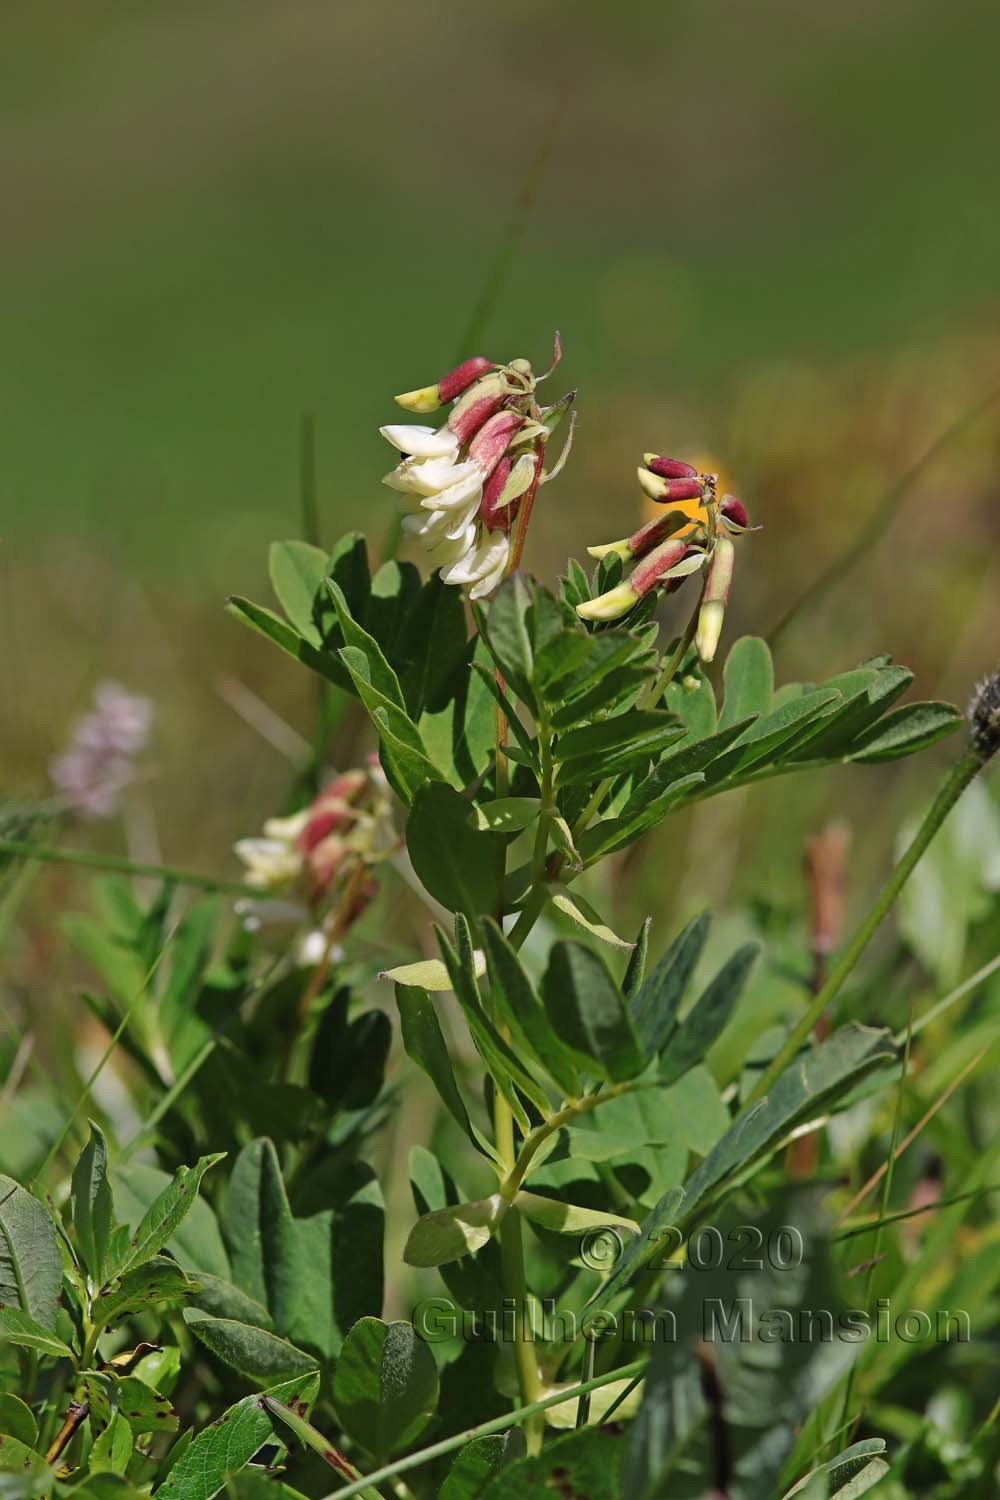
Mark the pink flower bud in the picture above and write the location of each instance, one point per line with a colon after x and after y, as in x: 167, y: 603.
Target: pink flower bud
x: 325, y: 862
x: 653, y: 566
x: 458, y: 380
x: 349, y: 785
x: 328, y: 819
x: 670, y: 468
x: 464, y: 424
x: 734, y: 510
x: 477, y: 405
x: 654, y: 532
x: 490, y: 442
x: 714, y: 599
x: 662, y: 490
x: 493, y: 516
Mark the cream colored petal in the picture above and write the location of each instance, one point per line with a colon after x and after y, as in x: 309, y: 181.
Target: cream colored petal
x: 427, y: 476
x: 421, y: 442
x: 482, y: 561
x: 458, y: 494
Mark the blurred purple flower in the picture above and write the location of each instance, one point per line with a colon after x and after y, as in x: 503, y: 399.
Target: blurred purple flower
x: 97, y: 764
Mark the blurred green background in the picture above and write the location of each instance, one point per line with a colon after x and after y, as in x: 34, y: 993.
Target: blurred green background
x: 767, y: 232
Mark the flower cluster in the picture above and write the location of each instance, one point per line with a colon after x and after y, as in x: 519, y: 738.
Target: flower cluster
x: 98, y: 763
x: 325, y: 853
x: 692, y: 535
x: 463, y: 484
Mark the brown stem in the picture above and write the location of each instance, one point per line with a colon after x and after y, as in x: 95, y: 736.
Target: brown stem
x: 77, y: 1413
x: 712, y: 1392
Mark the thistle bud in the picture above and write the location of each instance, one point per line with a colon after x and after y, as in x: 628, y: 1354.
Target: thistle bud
x: 713, y: 604
x: 661, y: 490
x: 734, y: 511
x: 984, y: 717
x: 669, y: 468
x: 430, y: 397
x: 477, y: 405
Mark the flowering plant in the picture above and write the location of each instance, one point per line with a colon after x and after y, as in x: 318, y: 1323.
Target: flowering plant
x: 589, y: 1138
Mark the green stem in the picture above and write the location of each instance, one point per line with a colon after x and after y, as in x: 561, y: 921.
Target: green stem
x: 673, y: 663
x: 485, y: 1429
x: 515, y: 1287
x: 962, y: 773
x: 118, y: 863
x: 876, y: 1251
x: 571, y: 1111
x: 515, y: 1284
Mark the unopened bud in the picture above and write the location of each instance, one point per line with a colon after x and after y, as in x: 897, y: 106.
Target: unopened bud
x: 503, y: 490
x: 477, y: 405
x: 490, y: 442
x: 662, y: 490
x: 679, y: 522
x: 984, y: 717
x: 669, y: 468
x: 713, y: 604
x: 490, y: 513
x: 427, y: 398
x: 349, y: 785
x: 657, y: 564
x: 734, y: 510
x: 610, y: 606
x: 670, y: 560
x: 622, y: 549
x: 430, y: 397
x: 462, y: 376
x: 326, y: 860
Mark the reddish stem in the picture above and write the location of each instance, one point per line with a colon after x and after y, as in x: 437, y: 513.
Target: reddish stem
x: 524, y: 514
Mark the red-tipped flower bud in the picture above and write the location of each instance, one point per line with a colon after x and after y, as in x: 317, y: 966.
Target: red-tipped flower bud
x: 656, y: 531
x: 713, y: 604
x: 669, y: 468
x: 493, y: 516
x: 671, y: 560
x: 430, y: 397
x: 490, y: 442
x: 477, y: 405
x: 734, y: 510
x: 458, y: 380
x: 655, y: 564
x: 662, y: 490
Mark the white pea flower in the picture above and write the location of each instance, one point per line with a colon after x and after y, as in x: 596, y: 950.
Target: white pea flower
x: 271, y: 863
x: 421, y: 442
x: 447, y: 478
